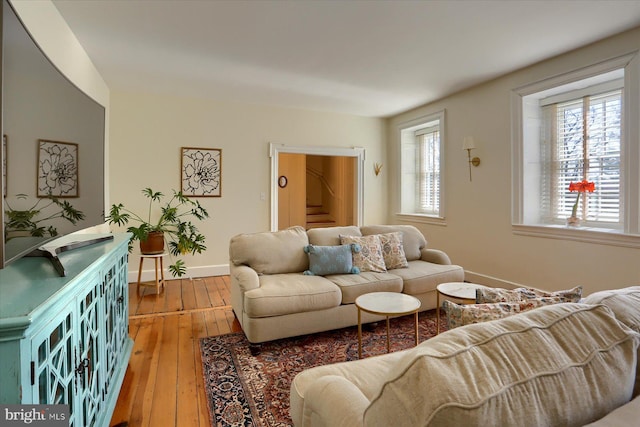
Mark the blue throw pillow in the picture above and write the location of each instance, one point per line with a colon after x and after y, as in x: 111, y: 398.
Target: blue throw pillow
x: 325, y: 260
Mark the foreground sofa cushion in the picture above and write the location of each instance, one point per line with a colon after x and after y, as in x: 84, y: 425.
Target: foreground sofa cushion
x: 564, y: 364
x: 625, y: 304
x: 626, y: 415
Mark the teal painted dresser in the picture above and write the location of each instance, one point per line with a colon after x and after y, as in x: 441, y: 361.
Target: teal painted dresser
x: 65, y: 340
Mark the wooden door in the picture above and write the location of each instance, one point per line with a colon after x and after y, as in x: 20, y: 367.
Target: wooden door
x: 291, y: 190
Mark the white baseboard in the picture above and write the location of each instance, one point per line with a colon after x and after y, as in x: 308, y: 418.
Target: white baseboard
x: 192, y: 273
x: 493, y: 282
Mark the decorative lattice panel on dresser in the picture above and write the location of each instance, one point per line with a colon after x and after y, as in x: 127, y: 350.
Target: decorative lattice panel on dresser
x: 65, y: 339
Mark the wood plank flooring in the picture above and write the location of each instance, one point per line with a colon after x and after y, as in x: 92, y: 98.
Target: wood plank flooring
x: 163, y: 385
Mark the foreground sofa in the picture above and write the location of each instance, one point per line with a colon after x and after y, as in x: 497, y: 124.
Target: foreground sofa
x: 568, y: 364
x: 273, y: 298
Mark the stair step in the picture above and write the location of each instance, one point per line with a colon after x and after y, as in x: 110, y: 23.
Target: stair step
x: 322, y: 217
x: 312, y: 210
x: 311, y: 225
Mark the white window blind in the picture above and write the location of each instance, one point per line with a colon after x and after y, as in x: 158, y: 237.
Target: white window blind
x: 428, y: 169
x: 585, y: 145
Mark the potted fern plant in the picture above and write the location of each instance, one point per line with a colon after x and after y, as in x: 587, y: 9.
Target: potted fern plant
x: 173, y: 226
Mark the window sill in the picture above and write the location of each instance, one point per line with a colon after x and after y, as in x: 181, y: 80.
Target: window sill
x: 423, y: 219
x: 579, y: 234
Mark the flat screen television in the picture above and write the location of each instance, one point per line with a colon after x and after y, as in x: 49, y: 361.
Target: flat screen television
x: 53, y: 149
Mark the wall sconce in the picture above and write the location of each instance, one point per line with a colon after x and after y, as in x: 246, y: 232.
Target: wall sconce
x: 469, y: 144
x: 377, y: 167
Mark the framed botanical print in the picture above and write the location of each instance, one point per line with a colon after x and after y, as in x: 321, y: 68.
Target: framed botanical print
x: 57, y: 169
x: 201, y: 172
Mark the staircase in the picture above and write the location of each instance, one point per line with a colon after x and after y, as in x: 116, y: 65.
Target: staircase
x: 317, y: 217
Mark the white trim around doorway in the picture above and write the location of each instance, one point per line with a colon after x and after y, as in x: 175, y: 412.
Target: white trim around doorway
x: 276, y: 149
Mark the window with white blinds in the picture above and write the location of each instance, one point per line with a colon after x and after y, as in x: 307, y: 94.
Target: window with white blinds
x: 584, y: 144
x: 577, y: 126
x: 428, y: 170
x: 421, y: 160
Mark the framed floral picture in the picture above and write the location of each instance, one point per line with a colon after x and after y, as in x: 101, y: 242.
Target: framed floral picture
x: 201, y: 172
x: 57, y: 169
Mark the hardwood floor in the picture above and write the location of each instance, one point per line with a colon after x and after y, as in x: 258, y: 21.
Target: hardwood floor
x: 163, y: 385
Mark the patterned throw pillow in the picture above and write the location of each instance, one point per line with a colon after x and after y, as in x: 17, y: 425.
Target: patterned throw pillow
x: 393, y: 250
x: 460, y: 315
x: 489, y: 295
x: 370, y: 256
x: 324, y: 260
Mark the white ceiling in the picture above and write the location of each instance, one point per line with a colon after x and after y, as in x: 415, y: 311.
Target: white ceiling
x: 364, y: 57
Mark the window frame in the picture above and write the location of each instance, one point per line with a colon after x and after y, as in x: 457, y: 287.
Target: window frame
x: 407, y: 130
x: 629, y: 235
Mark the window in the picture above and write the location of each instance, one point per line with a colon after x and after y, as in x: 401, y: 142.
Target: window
x: 582, y: 142
x: 571, y: 128
x: 421, y: 143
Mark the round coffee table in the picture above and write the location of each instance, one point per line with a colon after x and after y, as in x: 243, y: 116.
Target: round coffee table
x: 386, y: 304
x: 460, y: 290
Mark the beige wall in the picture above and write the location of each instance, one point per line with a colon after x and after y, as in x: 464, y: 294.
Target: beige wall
x: 147, y: 132
x: 478, y: 231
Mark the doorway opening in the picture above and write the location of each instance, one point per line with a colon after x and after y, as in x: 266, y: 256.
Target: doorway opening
x: 316, y: 186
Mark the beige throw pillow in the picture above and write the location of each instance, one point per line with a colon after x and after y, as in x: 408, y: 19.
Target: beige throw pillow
x: 393, y: 250
x: 370, y: 256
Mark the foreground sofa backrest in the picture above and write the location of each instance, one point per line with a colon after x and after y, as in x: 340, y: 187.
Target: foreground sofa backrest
x: 561, y: 365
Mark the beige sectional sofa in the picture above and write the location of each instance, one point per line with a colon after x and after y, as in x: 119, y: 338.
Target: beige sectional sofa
x: 568, y: 364
x: 273, y: 298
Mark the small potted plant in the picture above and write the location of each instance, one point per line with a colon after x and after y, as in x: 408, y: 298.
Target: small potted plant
x: 173, y: 225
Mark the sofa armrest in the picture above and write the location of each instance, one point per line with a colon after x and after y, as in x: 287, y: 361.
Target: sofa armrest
x: 334, y: 401
x: 435, y: 256
x: 244, y: 277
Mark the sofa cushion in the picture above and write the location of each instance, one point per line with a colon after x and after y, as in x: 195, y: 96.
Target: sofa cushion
x: 271, y: 252
x: 460, y: 315
x: 354, y: 285
x: 393, y: 251
x: 367, y: 375
x: 369, y: 258
x: 563, y: 364
x: 625, y: 304
x: 330, y: 236
x: 413, y: 240
x: 324, y: 260
x: 423, y: 276
x: 281, y: 294
x: 626, y: 415
x: 489, y: 295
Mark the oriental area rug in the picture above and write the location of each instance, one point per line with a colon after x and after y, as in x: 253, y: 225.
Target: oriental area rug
x: 253, y: 390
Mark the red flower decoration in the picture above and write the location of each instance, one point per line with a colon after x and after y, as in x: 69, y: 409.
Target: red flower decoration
x: 582, y: 186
